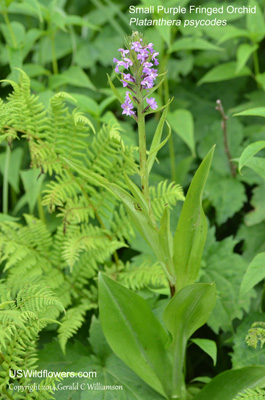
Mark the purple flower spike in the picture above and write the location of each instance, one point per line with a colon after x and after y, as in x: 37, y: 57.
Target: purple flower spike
x: 138, y: 74
x: 152, y: 103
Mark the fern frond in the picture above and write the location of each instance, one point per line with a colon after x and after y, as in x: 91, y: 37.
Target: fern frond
x: 121, y: 225
x: 24, y: 246
x: 108, y: 156
x: 256, y: 334
x: 145, y: 275
x: 71, y: 322
x: 165, y: 195
x: 36, y: 298
x: 57, y: 191
x: 251, y: 394
x: 89, y: 238
x: 21, y: 327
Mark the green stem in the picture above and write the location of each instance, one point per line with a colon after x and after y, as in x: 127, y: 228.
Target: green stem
x: 5, y: 183
x: 40, y: 210
x: 9, y: 27
x: 172, y: 158
x: 256, y: 62
x: 7, y: 394
x: 142, y: 150
x: 54, y: 58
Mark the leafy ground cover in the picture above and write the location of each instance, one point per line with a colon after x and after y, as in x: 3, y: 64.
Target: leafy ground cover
x: 141, y: 270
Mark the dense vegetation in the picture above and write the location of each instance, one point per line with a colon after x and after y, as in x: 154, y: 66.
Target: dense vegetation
x: 80, y: 231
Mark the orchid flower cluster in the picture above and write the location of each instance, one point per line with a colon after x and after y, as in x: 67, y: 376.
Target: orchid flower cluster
x: 139, y: 60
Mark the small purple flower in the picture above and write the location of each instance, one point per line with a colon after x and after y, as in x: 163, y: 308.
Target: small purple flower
x: 127, y: 108
x: 153, y: 73
x: 150, y: 47
x: 147, y: 64
x: 128, y: 97
x: 155, y: 59
x: 143, y: 55
x: 128, y: 78
x: 152, y: 103
x: 121, y: 63
x: 136, y: 46
x: 147, y: 70
x: 128, y: 61
x: 148, y: 82
x: 124, y: 84
x: 123, y: 52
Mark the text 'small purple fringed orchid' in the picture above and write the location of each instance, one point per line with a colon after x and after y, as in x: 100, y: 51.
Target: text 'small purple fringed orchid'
x: 137, y: 74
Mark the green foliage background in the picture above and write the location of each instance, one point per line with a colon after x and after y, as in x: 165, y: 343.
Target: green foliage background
x: 57, y: 230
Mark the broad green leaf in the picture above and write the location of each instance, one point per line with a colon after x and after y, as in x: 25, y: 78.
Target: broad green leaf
x: 193, y: 43
x: 257, y: 164
x: 18, y: 36
x: 226, y: 268
x: 74, y: 76
x: 28, y: 8
x: 33, y: 70
x: 110, y: 370
x: 16, y: 156
x: 166, y: 239
x: 244, y: 51
x: 254, y: 273
x: 253, y: 238
x: 63, y: 47
x: 208, y: 346
x: 182, y: 123
x: 244, y: 355
x: 138, y: 195
x: 156, y: 142
x: 226, y: 194
x: 137, y: 209
x: 249, y: 152
x: 32, y: 35
x: 258, y: 112
x: 228, y: 384
x: 224, y: 72
x: 6, y: 217
x: 86, y: 103
x: 115, y: 91
x: 32, y: 182
x: 257, y: 214
x: 186, y: 312
x: 97, y: 340
x: 255, y: 22
x: 191, y: 232
x: 261, y: 80
x: 232, y: 32
x: 134, y: 333
x: 77, y: 20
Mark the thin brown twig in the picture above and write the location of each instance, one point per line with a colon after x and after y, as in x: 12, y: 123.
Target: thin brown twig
x: 220, y: 108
